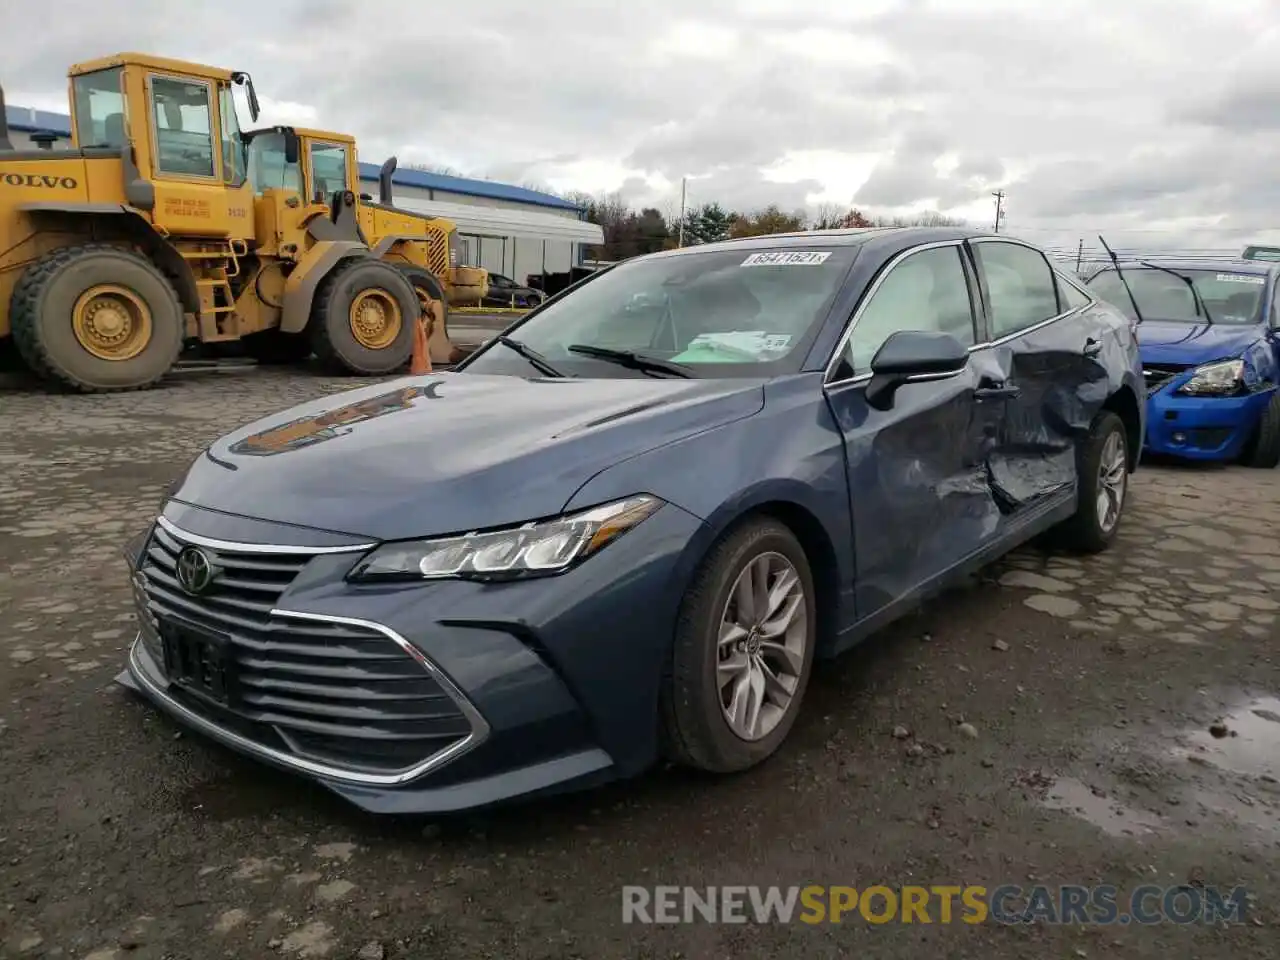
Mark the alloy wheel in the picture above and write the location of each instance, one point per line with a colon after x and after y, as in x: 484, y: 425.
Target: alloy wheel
x: 1113, y: 477
x: 761, y: 646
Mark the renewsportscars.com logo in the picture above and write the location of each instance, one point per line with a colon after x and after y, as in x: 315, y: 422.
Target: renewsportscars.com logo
x: 1007, y: 904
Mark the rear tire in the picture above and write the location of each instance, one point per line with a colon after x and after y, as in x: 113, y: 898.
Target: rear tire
x: 135, y: 305
x: 1103, y: 470
x: 332, y: 333
x: 697, y: 730
x: 1263, y: 449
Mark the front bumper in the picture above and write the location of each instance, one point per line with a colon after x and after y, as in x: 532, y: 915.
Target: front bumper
x: 1202, y: 428
x: 453, y: 695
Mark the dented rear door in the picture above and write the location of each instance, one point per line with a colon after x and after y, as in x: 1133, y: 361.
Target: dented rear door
x: 1050, y: 356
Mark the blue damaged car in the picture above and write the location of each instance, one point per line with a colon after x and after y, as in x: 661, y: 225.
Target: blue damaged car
x: 630, y: 527
x: 1210, y: 354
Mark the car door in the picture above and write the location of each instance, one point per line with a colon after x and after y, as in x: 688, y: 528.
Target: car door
x: 499, y: 291
x: 1047, y: 355
x: 918, y: 487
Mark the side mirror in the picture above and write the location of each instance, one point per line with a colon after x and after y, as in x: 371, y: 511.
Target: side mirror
x: 292, y: 148
x: 913, y: 356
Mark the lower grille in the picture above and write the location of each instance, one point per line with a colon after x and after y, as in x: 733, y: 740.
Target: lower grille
x: 338, y: 692
x: 1209, y: 438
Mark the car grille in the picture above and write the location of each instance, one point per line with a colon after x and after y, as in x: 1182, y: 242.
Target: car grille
x: 337, y: 693
x: 1156, y: 375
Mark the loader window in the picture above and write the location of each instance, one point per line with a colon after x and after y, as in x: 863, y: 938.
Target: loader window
x: 328, y: 170
x: 99, y: 104
x: 183, y: 114
x: 232, y: 145
x: 268, y: 169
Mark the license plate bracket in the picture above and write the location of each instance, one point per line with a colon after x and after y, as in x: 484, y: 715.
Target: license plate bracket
x: 198, y: 661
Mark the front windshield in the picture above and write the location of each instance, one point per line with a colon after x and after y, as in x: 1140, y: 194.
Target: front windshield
x: 721, y: 313
x: 268, y: 167
x: 1230, y: 297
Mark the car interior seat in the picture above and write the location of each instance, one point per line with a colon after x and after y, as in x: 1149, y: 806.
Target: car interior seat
x: 1242, y: 304
x: 113, y: 130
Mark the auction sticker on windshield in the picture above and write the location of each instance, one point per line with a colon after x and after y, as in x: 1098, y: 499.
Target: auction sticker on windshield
x: 788, y: 258
x: 1241, y: 278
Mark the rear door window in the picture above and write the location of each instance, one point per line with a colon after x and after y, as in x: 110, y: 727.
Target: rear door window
x: 1020, y: 286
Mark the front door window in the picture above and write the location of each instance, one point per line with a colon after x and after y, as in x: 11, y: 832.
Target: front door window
x: 182, y: 112
x: 328, y: 170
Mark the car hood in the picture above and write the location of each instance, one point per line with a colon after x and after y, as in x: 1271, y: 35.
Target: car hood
x: 1163, y: 341
x: 451, y: 452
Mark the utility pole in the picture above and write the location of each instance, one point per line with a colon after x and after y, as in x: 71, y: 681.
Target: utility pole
x: 684, y: 182
x: 1079, y: 254
x: 999, y: 195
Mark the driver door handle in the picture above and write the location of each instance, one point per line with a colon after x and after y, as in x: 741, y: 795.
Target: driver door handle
x: 1092, y: 347
x: 997, y: 391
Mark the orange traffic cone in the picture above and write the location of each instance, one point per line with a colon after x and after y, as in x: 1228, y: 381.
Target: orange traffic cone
x: 421, y: 361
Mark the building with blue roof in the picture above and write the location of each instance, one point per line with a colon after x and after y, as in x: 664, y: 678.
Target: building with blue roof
x: 509, y: 230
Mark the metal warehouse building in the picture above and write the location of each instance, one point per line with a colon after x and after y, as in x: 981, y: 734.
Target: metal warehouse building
x: 506, y: 229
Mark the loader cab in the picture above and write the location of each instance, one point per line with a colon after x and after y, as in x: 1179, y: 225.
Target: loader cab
x: 315, y: 164
x: 176, y: 124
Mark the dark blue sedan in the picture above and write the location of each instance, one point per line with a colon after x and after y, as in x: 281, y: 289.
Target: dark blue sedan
x: 1209, y: 335
x: 627, y: 529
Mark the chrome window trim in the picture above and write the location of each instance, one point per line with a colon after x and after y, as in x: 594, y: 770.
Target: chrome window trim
x: 236, y: 547
x: 862, y: 306
x: 479, y: 726
x: 999, y: 341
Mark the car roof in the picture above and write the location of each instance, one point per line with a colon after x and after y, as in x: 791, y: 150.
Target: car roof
x: 853, y: 237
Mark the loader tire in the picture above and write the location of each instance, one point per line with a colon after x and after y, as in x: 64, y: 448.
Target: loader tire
x: 362, y: 321
x: 97, y: 318
x: 428, y: 287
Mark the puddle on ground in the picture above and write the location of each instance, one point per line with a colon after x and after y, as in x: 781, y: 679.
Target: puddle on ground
x: 1226, y: 773
x: 1105, y: 813
x: 1247, y: 741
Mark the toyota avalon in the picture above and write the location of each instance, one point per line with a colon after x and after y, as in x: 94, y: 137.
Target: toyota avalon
x: 632, y: 526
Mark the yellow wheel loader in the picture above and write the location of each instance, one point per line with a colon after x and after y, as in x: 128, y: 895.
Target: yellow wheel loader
x: 318, y: 163
x: 149, y: 233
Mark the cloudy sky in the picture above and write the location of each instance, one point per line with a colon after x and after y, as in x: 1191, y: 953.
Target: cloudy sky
x: 1154, y: 121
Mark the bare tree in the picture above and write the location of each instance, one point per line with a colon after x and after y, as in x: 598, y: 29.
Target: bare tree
x: 925, y: 218
x: 441, y: 169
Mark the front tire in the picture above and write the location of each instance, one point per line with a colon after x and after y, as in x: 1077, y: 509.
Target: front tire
x: 363, y: 318
x: 97, y: 318
x: 1263, y: 449
x: 1102, y: 463
x: 743, y: 651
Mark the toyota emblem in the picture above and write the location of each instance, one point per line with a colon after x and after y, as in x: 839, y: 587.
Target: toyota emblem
x: 194, y: 570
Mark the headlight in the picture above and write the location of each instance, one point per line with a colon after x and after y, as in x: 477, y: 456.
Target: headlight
x: 535, y: 549
x: 1215, y: 379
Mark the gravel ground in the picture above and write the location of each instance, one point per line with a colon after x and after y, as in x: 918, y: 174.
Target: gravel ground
x: 1047, y: 724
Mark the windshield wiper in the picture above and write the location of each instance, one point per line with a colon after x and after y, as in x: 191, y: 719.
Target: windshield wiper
x: 629, y: 358
x: 1201, y: 306
x: 1115, y: 262
x: 533, y: 356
